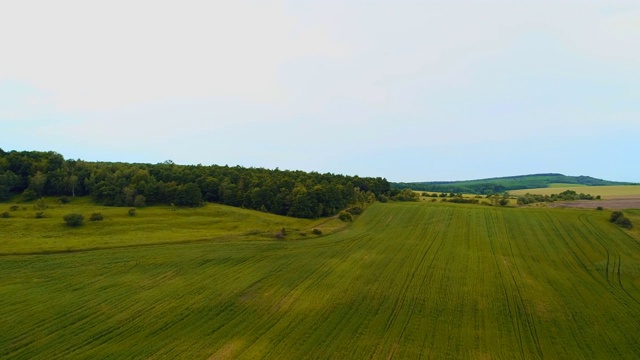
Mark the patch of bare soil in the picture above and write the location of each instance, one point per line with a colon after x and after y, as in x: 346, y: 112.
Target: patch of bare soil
x: 621, y: 203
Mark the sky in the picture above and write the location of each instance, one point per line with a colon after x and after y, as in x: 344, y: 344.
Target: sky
x: 406, y: 90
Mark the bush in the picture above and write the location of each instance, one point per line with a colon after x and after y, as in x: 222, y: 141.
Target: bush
x: 355, y: 210
x: 5, y: 215
x: 280, y: 234
x: 618, y: 218
x: 503, y: 202
x: 96, y: 217
x: 615, y: 216
x: 14, y: 207
x: 345, y: 216
x: 316, y: 232
x: 132, y: 212
x: 63, y: 199
x: 29, y: 195
x: 624, y: 222
x: 74, y: 219
x: 600, y: 208
x: 40, y: 215
x: 40, y: 204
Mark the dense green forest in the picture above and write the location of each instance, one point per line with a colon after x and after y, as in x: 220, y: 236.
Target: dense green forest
x: 502, y: 184
x: 33, y: 174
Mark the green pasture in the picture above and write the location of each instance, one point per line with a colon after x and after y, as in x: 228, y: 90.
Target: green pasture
x: 607, y: 192
x: 22, y: 232
x: 404, y: 281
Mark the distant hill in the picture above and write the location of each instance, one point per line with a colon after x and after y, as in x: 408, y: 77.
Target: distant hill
x: 502, y: 184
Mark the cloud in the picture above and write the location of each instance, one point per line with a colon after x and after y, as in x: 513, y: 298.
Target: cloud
x: 274, y: 82
x: 105, y: 55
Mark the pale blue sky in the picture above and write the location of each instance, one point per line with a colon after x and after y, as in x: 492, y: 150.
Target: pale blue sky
x: 407, y: 90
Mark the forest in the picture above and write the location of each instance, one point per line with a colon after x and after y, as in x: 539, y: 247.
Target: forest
x: 34, y: 174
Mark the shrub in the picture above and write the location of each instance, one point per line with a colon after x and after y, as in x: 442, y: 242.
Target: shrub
x: 29, y: 195
x: 40, y: 204
x: 624, y: 222
x: 132, y: 212
x: 615, y: 216
x: 280, y: 234
x: 600, y: 208
x: 503, y: 202
x: 618, y: 218
x: 63, y: 199
x: 382, y: 198
x: 355, y: 210
x: 74, y: 219
x: 316, y: 232
x: 96, y: 217
x: 5, y: 215
x: 14, y: 207
x: 40, y: 215
x: 345, y: 216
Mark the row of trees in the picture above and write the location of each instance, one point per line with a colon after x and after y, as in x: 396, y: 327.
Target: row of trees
x: 295, y: 193
x: 568, y: 195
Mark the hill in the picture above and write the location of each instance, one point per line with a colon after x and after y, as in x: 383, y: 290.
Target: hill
x: 502, y: 184
x: 405, y: 280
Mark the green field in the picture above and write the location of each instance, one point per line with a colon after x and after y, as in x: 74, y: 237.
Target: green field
x: 565, y: 185
x: 406, y: 281
x: 22, y: 233
x: 607, y: 192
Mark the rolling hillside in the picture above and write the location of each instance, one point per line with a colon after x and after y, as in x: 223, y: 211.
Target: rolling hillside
x: 502, y: 184
x: 406, y: 281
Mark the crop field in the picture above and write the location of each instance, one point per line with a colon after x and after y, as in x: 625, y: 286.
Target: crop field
x: 607, y: 192
x: 405, y: 281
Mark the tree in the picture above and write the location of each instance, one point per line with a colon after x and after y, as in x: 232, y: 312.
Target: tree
x: 303, y: 203
x: 188, y: 195
x: 139, y: 201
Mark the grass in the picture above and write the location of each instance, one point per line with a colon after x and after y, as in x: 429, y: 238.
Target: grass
x: 607, y: 192
x: 406, y: 280
x: 23, y: 233
x: 565, y: 185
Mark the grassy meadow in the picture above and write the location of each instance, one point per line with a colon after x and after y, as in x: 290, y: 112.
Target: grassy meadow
x: 405, y: 281
x: 22, y: 233
x: 607, y: 192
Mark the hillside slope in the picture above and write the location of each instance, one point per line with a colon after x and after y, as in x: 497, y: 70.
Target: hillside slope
x: 502, y: 184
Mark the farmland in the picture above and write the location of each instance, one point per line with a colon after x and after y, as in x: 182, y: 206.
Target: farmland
x: 607, y: 192
x: 405, y: 280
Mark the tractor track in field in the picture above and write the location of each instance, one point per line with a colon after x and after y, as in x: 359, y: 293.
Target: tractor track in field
x: 404, y: 281
x: 279, y: 309
x: 411, y: 280
x: 601, y: 240
x: 398, y: 304
x: 515, y: 320
x: 528, y: 319
x: 563, y: 237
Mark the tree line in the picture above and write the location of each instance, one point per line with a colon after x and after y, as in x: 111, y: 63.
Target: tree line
x: 34, y: 174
